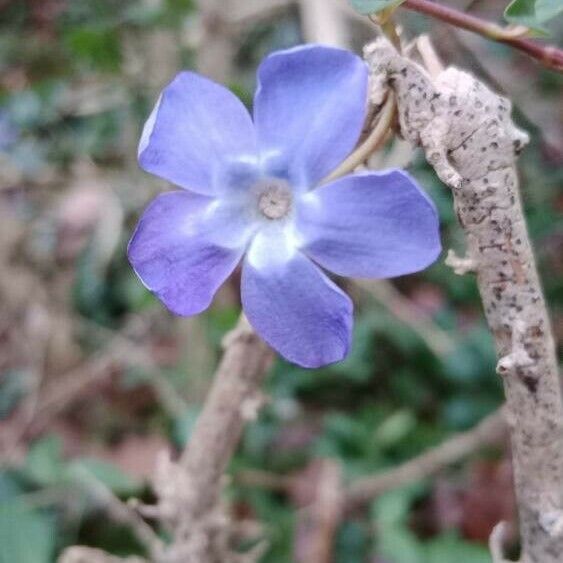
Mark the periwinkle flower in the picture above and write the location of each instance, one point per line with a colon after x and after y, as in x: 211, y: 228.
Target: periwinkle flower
x: 248, y: 194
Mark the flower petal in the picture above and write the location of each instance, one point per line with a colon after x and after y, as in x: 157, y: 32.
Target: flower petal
x: 196, y: 129
x: 294, y: 306
x: 309, y: 110
x: 372, y: 225
x: 184, y: 248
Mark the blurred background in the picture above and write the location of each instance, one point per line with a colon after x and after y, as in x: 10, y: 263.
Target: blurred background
x: 96, y: 377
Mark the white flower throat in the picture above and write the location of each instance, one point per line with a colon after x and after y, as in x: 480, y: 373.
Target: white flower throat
x: 274, y: 198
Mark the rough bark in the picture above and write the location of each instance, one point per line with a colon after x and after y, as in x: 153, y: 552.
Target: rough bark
x: 189, y: 491
x: 469, y: 138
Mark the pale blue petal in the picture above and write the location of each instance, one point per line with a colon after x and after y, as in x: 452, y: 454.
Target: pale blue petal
x: 197, y: 130
x: 370, y: 225
x: 309, y: 110
x: 185, y: 246
x: 293, y: 306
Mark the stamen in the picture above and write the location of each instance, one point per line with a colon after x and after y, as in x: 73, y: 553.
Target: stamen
x: 274, y: 201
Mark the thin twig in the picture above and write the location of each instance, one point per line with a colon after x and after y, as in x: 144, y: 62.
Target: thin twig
x: 430, y: 58
x: 255, y: 478
x: 436, y: 338
x: 121, y: 512
x: 189, y: 491
x: 374, y: 140
x: 318, y: 522
x: 496, y: 543
x: 488, y: 432
x: 321, y: 22
x: 548, y: 55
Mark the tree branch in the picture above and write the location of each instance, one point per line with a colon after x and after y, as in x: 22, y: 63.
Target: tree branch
x: 189, y: 491
x: 438, y: 340
x: 233, y: 400
x: 488, y: 432
x: 468, y: 136
x: 121, y: 512
x: 548, y: 55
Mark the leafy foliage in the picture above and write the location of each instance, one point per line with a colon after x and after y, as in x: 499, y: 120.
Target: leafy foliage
x: 533, y: 13
x: 25, y: 534
x: 75, y: 89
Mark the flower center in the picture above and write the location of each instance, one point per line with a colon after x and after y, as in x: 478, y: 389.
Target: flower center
x: 274, y: 201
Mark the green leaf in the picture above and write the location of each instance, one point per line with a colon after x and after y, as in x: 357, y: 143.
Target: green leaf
x: 448, y: 547
x: 10, y: 487
x: 533, y: 13
x: 107, y: 473
x: 25, y: 535
x: 400, y: 545
x: 374, y: 6
x: 44, y: 462
x: 97, y: 46
x: 392, y: 509
x: 395, y: 427
x: 395, y: 541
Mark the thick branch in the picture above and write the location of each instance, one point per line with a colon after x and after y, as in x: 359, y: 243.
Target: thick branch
x: 189, y: 491
x: 548, y: 55
x: 233, y: 400
x: 468, y: 136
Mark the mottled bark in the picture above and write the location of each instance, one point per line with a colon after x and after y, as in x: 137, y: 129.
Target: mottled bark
x: 469, y: 138
x: 189, y: 491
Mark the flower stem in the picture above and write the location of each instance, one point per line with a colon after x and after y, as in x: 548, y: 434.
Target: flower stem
x: 548, y: 55
x: 374, y: 140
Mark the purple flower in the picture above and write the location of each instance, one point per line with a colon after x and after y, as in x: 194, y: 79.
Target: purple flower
x: 248, y: 195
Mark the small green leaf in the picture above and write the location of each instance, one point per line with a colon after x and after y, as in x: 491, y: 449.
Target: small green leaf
x: 25, y: 535
x: 107, y: 473
x: 533, y: 13
x: 374, y: 6
x: 395, y: 427
x: 400, y: 545
x: 96, y: 45
x: 548, y: 9
x: 44, y: 462
x: 391, y: 510
x: 448, y: 547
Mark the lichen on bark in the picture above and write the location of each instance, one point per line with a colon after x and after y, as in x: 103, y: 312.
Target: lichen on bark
x: 469, y: 138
